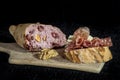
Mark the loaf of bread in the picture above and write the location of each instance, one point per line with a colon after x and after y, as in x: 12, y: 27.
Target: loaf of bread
x: 89, y: 55
x: 83, y: 48
x: 36, y: 36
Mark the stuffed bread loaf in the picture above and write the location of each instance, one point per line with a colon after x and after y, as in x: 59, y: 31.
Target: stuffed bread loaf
x: 83, y: 48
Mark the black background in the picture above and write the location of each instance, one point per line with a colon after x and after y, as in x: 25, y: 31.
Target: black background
x: 101, y: 17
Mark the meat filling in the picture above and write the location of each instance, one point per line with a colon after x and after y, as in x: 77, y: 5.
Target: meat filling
x: 80, y: 37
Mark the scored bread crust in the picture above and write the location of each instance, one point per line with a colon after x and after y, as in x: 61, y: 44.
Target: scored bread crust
x: 89, y: 55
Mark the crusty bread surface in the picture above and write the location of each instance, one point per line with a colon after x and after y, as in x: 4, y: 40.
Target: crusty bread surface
x: 89, y: 55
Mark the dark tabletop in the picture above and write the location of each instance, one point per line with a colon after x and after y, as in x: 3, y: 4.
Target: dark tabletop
x: 100, y: 25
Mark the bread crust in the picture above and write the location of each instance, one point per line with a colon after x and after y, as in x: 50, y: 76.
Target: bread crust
x: 18, y: 32
x: 89, y: 55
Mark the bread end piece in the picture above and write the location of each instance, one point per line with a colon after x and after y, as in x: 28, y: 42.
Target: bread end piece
x: 46, y: 54
x: 12, y: 29
x: 89, y: 55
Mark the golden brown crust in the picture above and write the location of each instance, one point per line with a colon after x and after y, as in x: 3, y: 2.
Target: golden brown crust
x: 89, y: 55
x: 46, y: 54
x: 18, y: 32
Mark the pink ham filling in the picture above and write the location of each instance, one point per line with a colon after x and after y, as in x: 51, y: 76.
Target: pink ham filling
x: 54, y: 36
